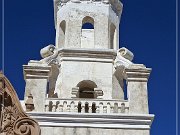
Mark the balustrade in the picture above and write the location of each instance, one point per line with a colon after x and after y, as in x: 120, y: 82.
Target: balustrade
x: 86, y: 105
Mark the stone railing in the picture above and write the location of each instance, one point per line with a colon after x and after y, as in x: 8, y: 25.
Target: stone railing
x: 86, y: 105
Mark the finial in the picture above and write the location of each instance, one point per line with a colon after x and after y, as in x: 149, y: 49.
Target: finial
x: 29, y: 103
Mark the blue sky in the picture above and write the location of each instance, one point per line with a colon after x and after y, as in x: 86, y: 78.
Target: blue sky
x: 147, y: 29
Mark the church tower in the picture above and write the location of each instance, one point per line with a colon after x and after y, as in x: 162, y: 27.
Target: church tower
x: 87, y: 55
x: 80, y: 85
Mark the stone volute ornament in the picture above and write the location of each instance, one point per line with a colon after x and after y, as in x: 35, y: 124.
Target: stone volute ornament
x: 13, y: 120
x: 49, y: 55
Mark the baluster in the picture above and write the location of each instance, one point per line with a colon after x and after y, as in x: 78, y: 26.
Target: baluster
x: 46, y: 108
x: 82, y: 107
x: 105, y: 109
x: 126, y: 110
x: 108, y: 108
x: 97, y: 109
x: 112, y: 109
x: 122, y: 108
x: 60, y: 108
x: 101, y: 108
x: 54, y: 106
x: 64, y: 106
x: 90, y: 109
x: 68, y: 108
x: 72, y: 107
x: 57, y: 106
x: 76, y: 108
x: 115, y: 107
x: 119, y: 109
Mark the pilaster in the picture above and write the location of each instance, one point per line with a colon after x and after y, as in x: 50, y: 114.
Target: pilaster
x: 36, y: 77
x: 137, y: 78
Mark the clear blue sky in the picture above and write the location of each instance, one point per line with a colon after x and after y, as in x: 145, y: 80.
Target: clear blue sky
x: 147, y: 29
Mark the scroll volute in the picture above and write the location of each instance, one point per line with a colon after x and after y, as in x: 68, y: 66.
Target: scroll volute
x: 13, y: 119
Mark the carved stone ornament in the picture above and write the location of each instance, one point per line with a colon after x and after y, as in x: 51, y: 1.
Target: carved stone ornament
x: 49, y: 55
x: 13, y: 120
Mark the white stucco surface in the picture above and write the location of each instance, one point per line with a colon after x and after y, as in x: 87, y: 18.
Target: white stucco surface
x: 79, y: 85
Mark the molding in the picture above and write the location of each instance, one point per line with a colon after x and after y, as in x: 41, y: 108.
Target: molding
x: 89, y: 55
x: 112, y: 121
x: 86, y: 60
x: 137, y: 73
x: 89, y: 99
x: 116, y: 6
x: 36, y: 71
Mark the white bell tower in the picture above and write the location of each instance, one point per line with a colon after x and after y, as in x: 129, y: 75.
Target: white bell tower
x: 79, y: 86
x: 87, y: 55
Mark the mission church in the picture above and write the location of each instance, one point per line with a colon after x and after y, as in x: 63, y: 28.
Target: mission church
x: 84, y: 84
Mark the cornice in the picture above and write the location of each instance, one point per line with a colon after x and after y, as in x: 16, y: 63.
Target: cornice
x: 104, y: 55
x: 113, y: 121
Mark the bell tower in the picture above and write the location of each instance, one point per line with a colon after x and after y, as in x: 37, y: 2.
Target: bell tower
x: 87, y: 36
x: 79, y: 86
x: 101, y: 17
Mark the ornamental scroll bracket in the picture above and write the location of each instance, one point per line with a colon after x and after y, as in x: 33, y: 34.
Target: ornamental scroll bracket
x: 13, y: 119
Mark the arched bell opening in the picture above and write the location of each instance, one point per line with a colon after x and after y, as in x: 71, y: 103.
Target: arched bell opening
x: 86, y: 89
x: 87, y: 32
x: 88, y: 23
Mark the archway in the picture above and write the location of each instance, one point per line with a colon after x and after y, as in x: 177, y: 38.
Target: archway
x: 87, y: 32
x: 86, y: 89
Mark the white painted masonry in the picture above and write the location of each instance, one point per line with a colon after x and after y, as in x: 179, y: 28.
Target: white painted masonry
x: 79, y: 86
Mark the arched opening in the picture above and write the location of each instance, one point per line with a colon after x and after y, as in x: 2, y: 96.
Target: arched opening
x: 87, y: 35
x: 62, y: 32
x: 112, y: 36
x: 88, y: 26
x: 88, y: 19
x: 86, y: 89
